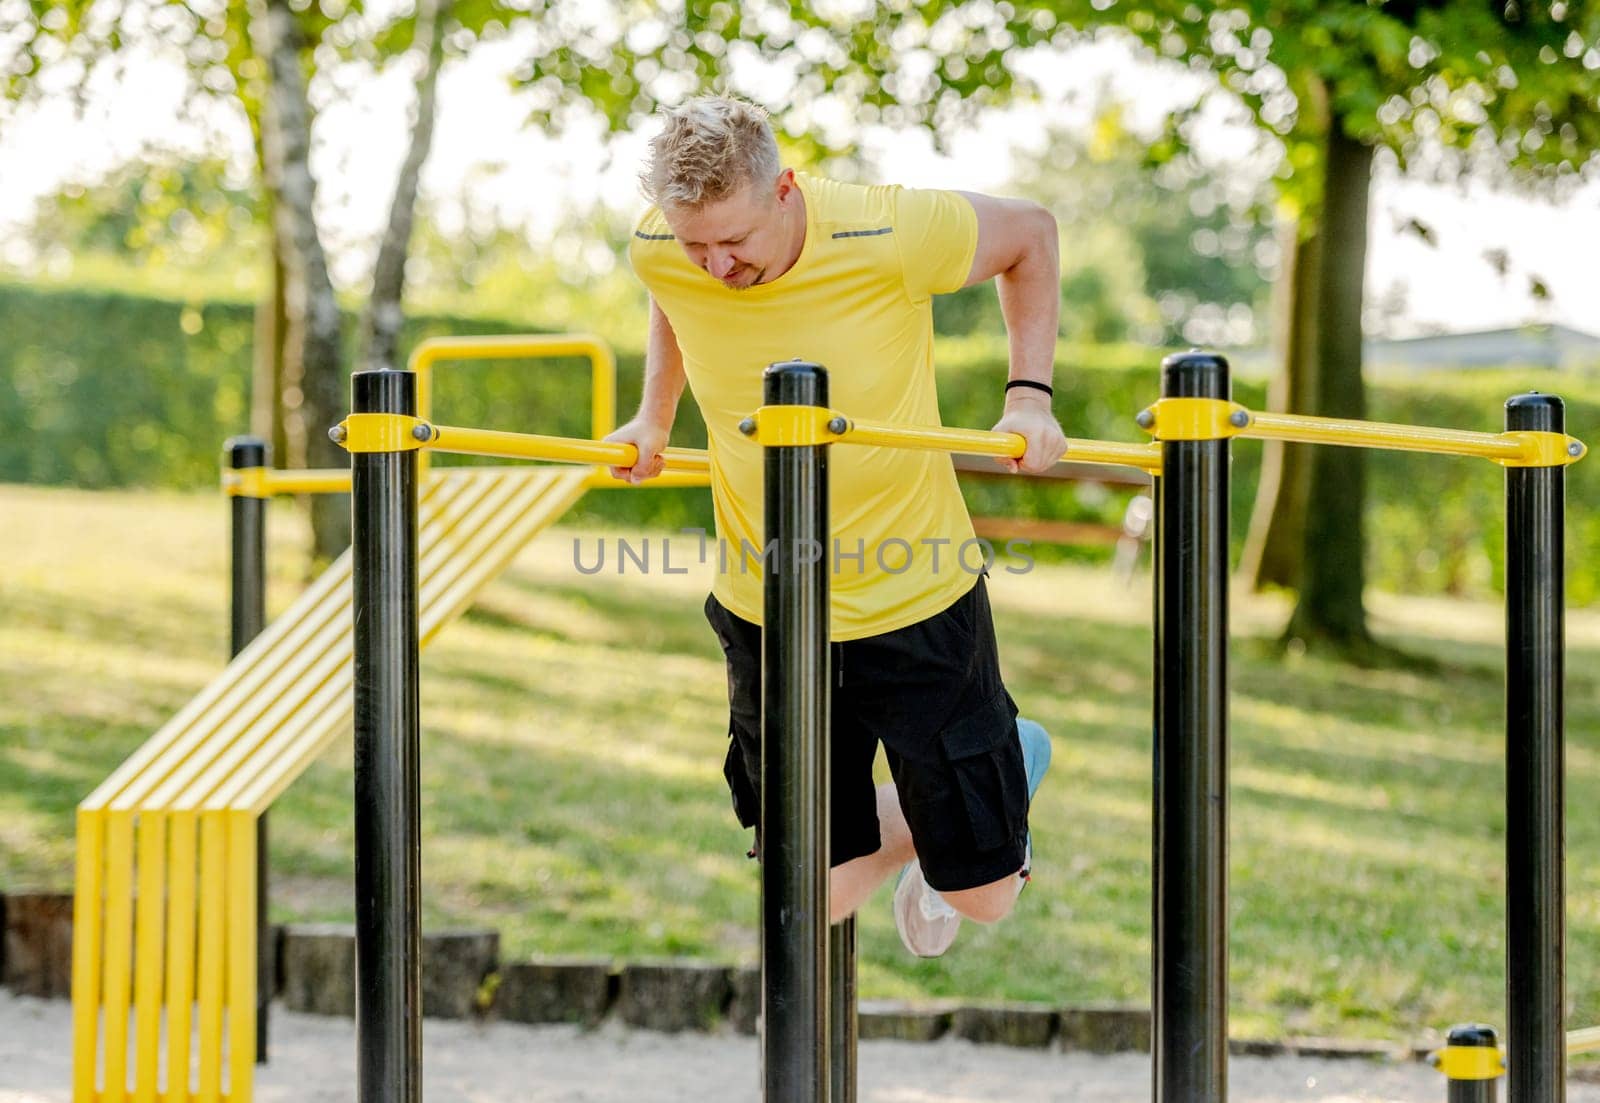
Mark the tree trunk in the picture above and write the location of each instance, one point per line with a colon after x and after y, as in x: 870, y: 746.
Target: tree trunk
x: 313, y: 338
x: 1330, y: 608
x: 268, y: 385
x: 1272, y: 551
x: 385, y: 314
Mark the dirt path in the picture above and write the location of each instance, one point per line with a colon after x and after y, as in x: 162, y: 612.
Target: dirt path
x: 313, y: 1062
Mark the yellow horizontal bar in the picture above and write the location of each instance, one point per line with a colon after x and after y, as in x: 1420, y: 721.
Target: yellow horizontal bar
x: 600, y: 479
x: 1146, y: 457
x: 321, y: 480
x: 1586, y: 1040
x: 264, y: 482
x: 1512, y: 449
x: 531, y: 446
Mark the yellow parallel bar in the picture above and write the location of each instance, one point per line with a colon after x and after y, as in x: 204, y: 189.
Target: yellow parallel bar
x: 241, y: 977
x: 147, y: 959
x: 600, y: 479
x: 799, y: 425
x: 118, y: 960
x: 1586, y: 1040
x: 532, y: 446
x: 322, y: 480
x: 86, y: 929
x: 213, y: 942
x: 183, y: 840
x: 264, y: 482
x: 1377, y: 434
x: 1511, y: 449
x: 1146, y: 457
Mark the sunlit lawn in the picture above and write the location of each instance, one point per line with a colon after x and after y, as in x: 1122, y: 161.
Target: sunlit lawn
x: 573, y: 737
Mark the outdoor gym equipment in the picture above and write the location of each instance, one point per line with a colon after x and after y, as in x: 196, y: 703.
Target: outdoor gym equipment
x: 169, y: 917
x: 808, y: 1050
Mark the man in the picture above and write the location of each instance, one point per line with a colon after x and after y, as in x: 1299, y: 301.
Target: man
x: 749, y: 263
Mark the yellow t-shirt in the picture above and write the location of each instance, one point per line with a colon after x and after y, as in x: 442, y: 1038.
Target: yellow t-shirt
x: 858, y: 302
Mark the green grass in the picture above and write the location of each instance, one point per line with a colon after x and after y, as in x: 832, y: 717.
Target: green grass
x: 572, y: 795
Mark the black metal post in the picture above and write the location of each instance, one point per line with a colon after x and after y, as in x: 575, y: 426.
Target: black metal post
x: 1535, y: 727
x: 1190, y: 895
x: 842, y: 1014
x: 388, y: 840
x: 1476, y: 1088
x: 248, y: 616
x: 794, y: 756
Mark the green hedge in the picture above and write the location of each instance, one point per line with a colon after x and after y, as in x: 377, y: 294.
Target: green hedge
x: 105, y: 390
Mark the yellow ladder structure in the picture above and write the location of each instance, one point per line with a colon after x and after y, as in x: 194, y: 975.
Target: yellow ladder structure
x: 164, y: 926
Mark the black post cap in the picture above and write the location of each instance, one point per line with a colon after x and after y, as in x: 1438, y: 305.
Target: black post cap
x: 1471, y: 1034
x: 795, y: 383
x: 384, y: 392
x: 1195, y: 374
x: 1535, y: 411
x: 246, y: 451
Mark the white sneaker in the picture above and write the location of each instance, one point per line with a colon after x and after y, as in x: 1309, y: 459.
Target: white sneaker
x: 926, y: 922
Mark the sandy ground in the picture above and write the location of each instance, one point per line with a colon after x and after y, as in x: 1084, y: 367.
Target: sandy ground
x: 314, y: 1059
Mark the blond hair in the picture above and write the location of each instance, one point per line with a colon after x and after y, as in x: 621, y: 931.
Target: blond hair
x: 708, y: 149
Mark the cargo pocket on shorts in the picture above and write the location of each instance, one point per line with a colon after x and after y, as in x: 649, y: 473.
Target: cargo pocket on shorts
x: 986, y: 765
x: 745, y: 802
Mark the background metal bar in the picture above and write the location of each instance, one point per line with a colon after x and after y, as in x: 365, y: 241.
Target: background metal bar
x: 842, y: 1019
x: 387, y: 835
x: 796, y: 1042
x: 1535, y: 802
x: 1190, y: 973
x: 248, y: 616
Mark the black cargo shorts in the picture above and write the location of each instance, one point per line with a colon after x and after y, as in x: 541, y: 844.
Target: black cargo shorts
x: 931, y: 694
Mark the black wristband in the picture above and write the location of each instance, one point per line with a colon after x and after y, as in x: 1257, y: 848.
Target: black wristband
x: 1045, y: 387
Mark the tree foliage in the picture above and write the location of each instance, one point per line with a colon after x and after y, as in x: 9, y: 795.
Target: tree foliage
x: 1515, y: 83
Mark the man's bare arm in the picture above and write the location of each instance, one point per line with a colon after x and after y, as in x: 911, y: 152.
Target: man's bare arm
x: 1018, y: 248
x: 658, y: 405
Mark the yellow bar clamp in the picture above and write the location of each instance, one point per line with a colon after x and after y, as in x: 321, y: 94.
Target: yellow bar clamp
x: 1469, y: 1062
x: 1193, y: 419
x: 381, y: 433
x: 794, y: 426
x: 1543, y: 449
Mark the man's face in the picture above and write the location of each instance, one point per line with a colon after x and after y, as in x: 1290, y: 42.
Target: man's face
x: 739, y: 239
